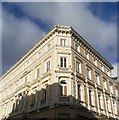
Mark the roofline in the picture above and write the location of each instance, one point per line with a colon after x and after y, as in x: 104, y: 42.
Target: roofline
x: 29, y: 52
x: 53, y: 30
x: 106, y: 62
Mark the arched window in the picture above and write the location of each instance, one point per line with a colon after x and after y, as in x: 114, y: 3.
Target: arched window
x: 63, y: 88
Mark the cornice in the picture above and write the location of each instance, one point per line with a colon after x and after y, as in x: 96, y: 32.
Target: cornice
x: 58, y: 29
x: 34, y: 48
x: 75, y: 35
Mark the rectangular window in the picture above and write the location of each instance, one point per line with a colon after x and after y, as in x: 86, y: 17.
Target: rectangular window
x: 63, y: 62
x: 88, y: 72
x: 95, y: 61
x: 48, y: 47
x: 47, y: 66
x: 97, y: 78
x: 78, y: 67
x: 90, y: 102
x: 79, y: 92
x: 116, y: 92
x: 105, y: 84
x: 37, y: 72
x: 87, y: 55
x: 63, y: 42
x: 108, y: 105
x: 77, y: 48
x: 102, y: 67
x: 43, y: 94
x: 38, y: 54
x: 63, y: 90
x: 108, y: 72
x: 111, y: 88
x: 99, y: 101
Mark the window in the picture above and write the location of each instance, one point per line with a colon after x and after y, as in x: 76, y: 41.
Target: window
x: 99, y: 101
x: 38, y: 54
x: 77, y: 48
x: 108, y: 72
x: 45, y: 93
x: 108, y: 105
x: 47, y: 66
x: 48, y: 47
x: 105, y: 84
x: 33, y: 97
x: 111, y: 88
x: 63, y: 88
x: 100, y: 98
x: 90, y: 102
x: 97, y: 78
x: 102, y: 67
x: 116, y: 92
x: 88, y: 73
x: 79, y: 92
x: 78, y: 67
x: 87, y: 55
x: 63, y: 62
x: 63, y: 42
x: 115, y: 107
x: 91, y: 97
x: 95, y: 61
x: 37, y: 72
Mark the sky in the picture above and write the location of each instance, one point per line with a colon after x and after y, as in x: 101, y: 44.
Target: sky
x: 25, y: 23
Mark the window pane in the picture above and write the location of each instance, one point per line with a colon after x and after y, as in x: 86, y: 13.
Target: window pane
x: 90, y: 97
x: 63, y: 42
x: 65, y: 90
x: 79, y: 92
x: 37, y: 73
x: 64, y: 62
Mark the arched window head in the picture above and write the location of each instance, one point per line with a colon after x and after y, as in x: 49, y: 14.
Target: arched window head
x: 63, y: 82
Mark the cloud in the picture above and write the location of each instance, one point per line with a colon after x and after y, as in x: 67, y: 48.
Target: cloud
x: 19, y: 35
x: 115, y: 72
x: 102, y: 35
x: 24, y: 32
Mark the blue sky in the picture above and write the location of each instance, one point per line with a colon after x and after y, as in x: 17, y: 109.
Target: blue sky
x: 24, y: 24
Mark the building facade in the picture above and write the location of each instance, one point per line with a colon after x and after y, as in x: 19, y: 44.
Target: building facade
x: 60, y: 77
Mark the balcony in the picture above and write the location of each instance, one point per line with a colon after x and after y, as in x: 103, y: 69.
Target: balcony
x: 64, y: 99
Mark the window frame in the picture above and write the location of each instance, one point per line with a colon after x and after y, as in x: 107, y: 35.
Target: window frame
x: 87, y: 55
x: 62, y: 42
x: 88, y: 73
x: 48, y: 64
x: 97, y: 77
x: 78, y: 67
x: 63, y: 62
x: 63, y: 88
x: 48, y: 47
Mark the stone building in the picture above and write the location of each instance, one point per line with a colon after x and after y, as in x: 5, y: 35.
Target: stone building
x: 62, y: 76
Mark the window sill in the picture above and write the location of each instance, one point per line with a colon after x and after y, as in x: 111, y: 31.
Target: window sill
x: 63, y: 68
